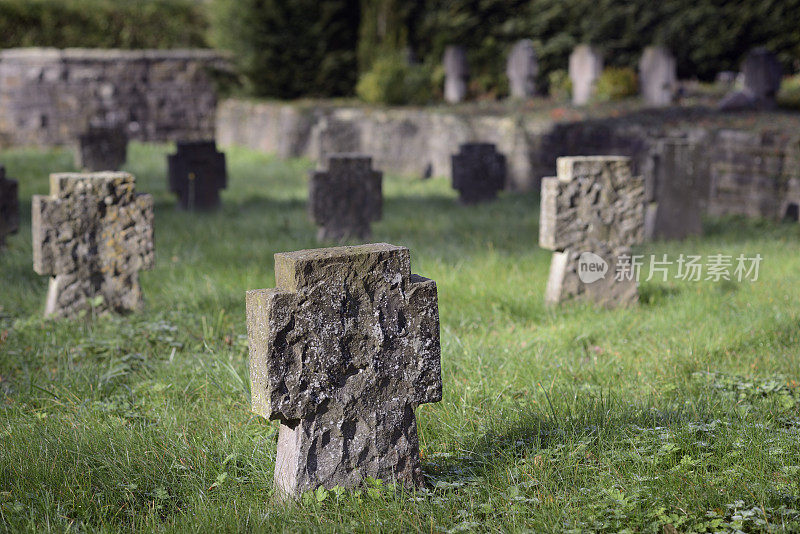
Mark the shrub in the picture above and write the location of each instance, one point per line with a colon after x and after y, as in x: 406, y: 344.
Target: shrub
x: 789, y: 94
x: 560, y: 85
x: 615, y: 83
x: 392, y: 80
x: 103, y: 23
x: 289, y: 49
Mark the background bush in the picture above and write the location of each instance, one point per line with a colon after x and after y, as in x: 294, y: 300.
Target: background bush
x: 392, y: 80
x: 615, y: 83
x: 103, y: 23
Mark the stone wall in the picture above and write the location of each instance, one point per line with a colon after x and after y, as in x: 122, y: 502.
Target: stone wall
x: 49, y: 96
x: 735, y: 167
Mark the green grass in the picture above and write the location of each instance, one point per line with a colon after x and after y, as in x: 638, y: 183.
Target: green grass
x: 682, y: 411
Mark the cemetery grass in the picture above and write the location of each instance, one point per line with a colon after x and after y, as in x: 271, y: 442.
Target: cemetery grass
x: 680, y: 414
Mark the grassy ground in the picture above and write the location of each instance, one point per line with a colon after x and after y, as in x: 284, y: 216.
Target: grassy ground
x: 681, y: 414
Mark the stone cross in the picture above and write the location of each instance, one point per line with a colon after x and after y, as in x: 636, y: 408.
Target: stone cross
x: 762, y: 76
x: 9, y: 206
x: 479, y: 172
x: 456, y: 74
x: 344, y: 199
x: 585, y: 66
x: 521, y: 68
x: 196, y: 174
x: 591, y: 214
x: 102, y: 148
x: 92, y: 235
x: 657, y: 76
x: 342, y: 351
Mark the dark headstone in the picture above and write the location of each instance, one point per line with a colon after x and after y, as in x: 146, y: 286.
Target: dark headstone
x: 92, y: 235
x: 762, y: 76
x: 196, y: 174
x: 342, y: 352
x: 479, y: 172
x: 9, y: 206
x: 102, y: 148
x: 344, y: 199
x: 456, y: 74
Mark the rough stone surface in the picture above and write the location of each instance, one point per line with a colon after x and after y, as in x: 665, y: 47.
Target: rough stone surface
x: 346, y: 197
x: 92, y: 235
x: 9, y: 206
x: 585, y: 66
x: 658, y: 77
x: 102, y: 148
x: 595, y: 205
x: 762, y: 76
x: 522, y: 68
x: 479, y: 172
x: 50, y: 96
x: 680, y: 190
x: 456, y: 74
x: 196, y: 174
x: 342, y: 351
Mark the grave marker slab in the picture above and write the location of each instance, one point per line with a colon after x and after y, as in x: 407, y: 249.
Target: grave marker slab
x: 585, y: 66
x: 762, y: 76
x: 346, y: 197
x: 456, y: 74
x: 594, y: 206
x: 102, y: 148
x: 92, y: 235
x: 9, y: 206
x: 196, y: 174
x: 521, y: 69
x: 342, y: 352
x: 657, y: 76
x: 479, y: 172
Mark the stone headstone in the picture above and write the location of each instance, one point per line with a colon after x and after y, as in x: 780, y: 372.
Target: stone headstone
x: 346, y: 197
x: 585, y: 66
x: 9, y: 206
x: 681, y: 180
x: 456, y: 74
x: 342, y: 351
x: 522, y: 68
x: 196, y: 174
x: 762, y: 76
x: 102, y: 148
x: 92, y: 235
x: 657, y: 76
x: 479, y: 172
x: 591, y: 215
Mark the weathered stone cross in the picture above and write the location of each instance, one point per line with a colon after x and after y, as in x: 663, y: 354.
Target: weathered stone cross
x: 92, y: 235
x: 196, y: 174
x: 9, y: 206
x: 594, y: 206
x: 344, y: 199
x: 342, y: 352
x: 479, y: 172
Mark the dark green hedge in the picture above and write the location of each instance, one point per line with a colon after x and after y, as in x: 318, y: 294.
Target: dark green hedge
x: 103, y: 23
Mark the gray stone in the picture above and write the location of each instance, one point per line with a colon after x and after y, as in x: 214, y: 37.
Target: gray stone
x: 102, y: 148
x: 456, y: 74
x: 657, y: 76
x: 585, y: 66
x: 342, y: 351
x: 9, y: 206
x: 92, y: 235
x: 522, y: 68
x: 196, y: 174
x: 344, y: 199
x: 762, y: 76
x: 680, y: 172
x: 595, y: 206
x: 479, y: 172
x: 737, y: 101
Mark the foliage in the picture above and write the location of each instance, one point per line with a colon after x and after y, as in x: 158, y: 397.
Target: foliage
x: 291, y: 49
x: 102, y: 23
x: 392, y: 80
x: 615, y: 83
x: 680, y: 414
x: 789, y: 94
